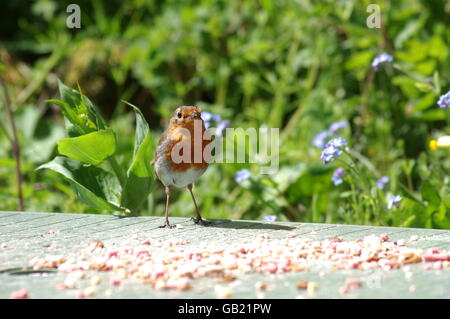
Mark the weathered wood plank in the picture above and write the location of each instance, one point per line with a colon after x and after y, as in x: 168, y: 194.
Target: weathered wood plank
x: 28, y: 235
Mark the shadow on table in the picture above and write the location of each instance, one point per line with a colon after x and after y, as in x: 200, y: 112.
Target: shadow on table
x: 239, y: 224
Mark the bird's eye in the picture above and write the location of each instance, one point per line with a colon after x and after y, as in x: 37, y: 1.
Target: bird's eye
x: 179, y: 115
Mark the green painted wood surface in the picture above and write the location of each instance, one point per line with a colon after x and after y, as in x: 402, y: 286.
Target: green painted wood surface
x: 24, y: 236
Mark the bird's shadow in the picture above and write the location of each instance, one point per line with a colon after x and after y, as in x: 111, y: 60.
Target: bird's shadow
x: 241, y: 224
x: 233, y: 224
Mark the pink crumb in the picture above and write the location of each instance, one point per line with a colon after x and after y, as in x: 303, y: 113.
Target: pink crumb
x: 270, y: 267
x: 79, y: 294
x: 350, y: 284
x: 353, y: 283
x: 384, y: 237
x: 19, y: 294
x: 115, y: 281
x: 61, y: 286
x: 4, y: 245
x: 113, y: 253
x: 436, y: 255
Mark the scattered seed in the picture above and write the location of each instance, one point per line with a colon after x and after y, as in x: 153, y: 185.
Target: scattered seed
x: 350, y: 284
x: 116, y: 281
x: 19, y: 294
x: 260, y: 286
x: 79, y: 294
x: 171, y: 264
x: 89, y: 291
x: 224, y: 292
x: 95, y: 280
x: 302, y: 284
x: 311, y: 287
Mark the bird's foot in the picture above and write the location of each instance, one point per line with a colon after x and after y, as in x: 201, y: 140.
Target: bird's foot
x: 201, y: 221
x: 167, y: 225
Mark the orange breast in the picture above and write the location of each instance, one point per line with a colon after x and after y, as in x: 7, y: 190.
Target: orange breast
x: 187, y: 142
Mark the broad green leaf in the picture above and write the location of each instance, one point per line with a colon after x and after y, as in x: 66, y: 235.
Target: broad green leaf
x: 94, y: 186
x: 92, y: 148
x: 425, y: 102
x: 424, y: 87
x: 436, y: 81
x: 74, y: 123
x: 430, y: 194
x: 140, y: 173
x: 79, y: 111
x: 431, y: 115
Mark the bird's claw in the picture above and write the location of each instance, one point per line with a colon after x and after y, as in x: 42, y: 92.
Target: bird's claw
x: 200, y: 221
x: 167, y: 225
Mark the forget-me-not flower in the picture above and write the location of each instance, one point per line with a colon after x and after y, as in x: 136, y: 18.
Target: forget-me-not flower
x: 382, y: 182
x: 222, y: 126
x: 242, y: 175
x: 208, y: 117
x: 381, y: 59
x: 270, y: 218
x: 332, y: 149
x: 336, y: 126
x: 320, y: 139
x: 444, y: 101
x: 394, y: 201
x: 337, y: 176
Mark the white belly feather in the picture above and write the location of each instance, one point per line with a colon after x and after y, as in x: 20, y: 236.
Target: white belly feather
x: 177, y: 179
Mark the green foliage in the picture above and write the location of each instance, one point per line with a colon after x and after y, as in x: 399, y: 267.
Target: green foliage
x: 90, y: 148
x: 94, y: 186
x: 92, y: 144
x: 295, y: 65
x: 140, y: 173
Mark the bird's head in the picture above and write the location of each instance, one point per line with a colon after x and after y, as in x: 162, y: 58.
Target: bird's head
x: 185, y: 116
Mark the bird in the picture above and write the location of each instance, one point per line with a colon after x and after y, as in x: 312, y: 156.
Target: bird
x: 179, y: 157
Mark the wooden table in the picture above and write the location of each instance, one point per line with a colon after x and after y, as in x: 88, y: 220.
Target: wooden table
x: 24, y: 236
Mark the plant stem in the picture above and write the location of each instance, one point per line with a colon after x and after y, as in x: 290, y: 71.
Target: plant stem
x: 15, y: 146
x: 3, y: 128
x: 118, y: 170
x: 354, y: 170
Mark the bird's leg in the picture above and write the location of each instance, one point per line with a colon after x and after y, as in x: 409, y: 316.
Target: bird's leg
x: 198, y: 219
x: 167, y: 224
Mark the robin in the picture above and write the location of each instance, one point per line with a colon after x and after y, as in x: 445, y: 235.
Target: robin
x: 180, y: 160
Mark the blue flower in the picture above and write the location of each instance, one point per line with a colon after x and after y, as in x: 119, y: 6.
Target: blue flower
x: 208, y: 117
x: 319, y: 139
x: 337, y: 142
x: 222, y: 126
x: 382, y: 182
x: 329, y: 153
x: 332, y: 149
x: 337, y: 176
x: 394, y: 201
x: 242, y: 175
x: 334, y: 127
x: 380, y: 59
x: 270, y: 218
x: 444, y: 101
